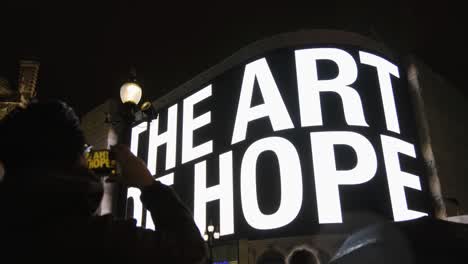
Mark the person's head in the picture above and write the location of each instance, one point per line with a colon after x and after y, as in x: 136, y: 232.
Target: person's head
x: 42, y: 144
x: 302, y: 256
x: 44, y: 135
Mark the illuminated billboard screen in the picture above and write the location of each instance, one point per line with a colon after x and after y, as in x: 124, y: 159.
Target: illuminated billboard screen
x: 291, y: 142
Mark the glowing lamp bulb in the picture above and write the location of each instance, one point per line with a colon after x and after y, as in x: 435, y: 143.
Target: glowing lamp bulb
x: 210, y: 228
x: 130, y: 92
x: 216, y: 235
x: 205, y: 237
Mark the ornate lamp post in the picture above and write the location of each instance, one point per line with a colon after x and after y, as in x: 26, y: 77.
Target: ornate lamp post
x: 211, y: 234
x: 130, y: 95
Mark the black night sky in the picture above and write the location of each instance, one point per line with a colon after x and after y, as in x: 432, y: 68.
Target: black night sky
x: 85, y: 51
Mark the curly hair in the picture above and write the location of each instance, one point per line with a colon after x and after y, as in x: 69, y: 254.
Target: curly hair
x: 44, y: 134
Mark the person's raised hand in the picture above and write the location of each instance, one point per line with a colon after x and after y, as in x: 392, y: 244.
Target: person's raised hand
x: 133, y: 171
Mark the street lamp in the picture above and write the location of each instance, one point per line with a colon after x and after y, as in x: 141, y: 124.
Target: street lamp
x: 211, y: 234
x: 130, y: 95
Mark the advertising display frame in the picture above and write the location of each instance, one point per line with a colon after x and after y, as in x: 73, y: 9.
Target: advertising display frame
x: 266, y: 60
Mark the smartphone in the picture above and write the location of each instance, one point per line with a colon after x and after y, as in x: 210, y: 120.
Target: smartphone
x: 101, y: 162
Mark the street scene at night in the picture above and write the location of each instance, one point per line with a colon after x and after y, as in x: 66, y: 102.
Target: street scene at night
x: 234, y: 133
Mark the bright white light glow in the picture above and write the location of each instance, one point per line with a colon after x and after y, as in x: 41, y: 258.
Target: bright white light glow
x: 205, y: 237
x: 137, y: 205
x: 291, y: 183
x: 384, y: 70
x: 136, y: 131
x: 222, y: 192
x: 130, y: 92
x: 189, y: 152
x: 169, y: 138
x: 210, y: 228
x: 138, y: 208
x: 310, y: 87
x: 167, y: 179
x: 397, y: 179
x: 216, y: 235
x: 273, y: 105
x: 328, y: 178
x: 149, y: 221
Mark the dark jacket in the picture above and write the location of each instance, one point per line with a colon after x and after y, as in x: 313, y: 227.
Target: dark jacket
x: 50, y: 223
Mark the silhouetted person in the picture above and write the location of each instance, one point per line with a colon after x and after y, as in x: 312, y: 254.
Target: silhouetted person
x: 302, y: 256
x: 48, y: 198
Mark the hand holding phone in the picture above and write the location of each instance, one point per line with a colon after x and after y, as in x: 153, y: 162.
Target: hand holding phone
x: 133, y: 171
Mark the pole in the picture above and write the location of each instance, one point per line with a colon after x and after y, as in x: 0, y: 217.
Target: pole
x: 127, y: 116
x: 148, y: 122
x: 210, y: 245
